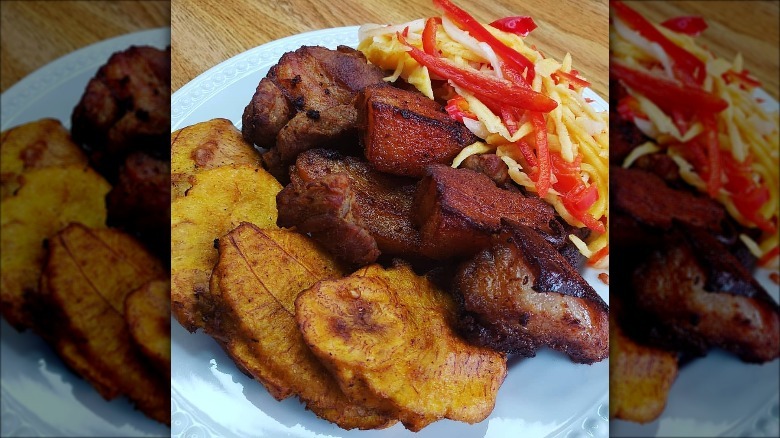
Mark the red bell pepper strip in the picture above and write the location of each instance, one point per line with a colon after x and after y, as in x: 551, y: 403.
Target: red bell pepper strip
x: 542, y: 153
x: 686, y: 67
x: 745, y: 80
x: 520, y: 25
x: 747, y: 195
x: 713, y: 153
x: 583, y: 216
x: 530, y: 158
x: 457, y: 108
x: 572, y: 78
x: 482, y: 85
x: 668, y: 94
x: 628, y: 108
x: 769, y: 256
x: 475, y: 29
x: 692, y: 26
x: 429, y: 37
x: 598, y: 256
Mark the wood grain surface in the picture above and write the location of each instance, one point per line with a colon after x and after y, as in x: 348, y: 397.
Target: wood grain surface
x: 205, y: 33
x: 749, y: 27
x: 34, y: 33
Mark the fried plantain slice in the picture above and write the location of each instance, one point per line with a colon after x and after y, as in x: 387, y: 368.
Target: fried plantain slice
x: 640, y: 377
x: 148, y: 315
x: 387, y: 337
x: 85, y: 272
x: 34, y: 145
x: 206, y: 145
x: 48, y: 199
x: 251, y: 313
x: 218, y: 201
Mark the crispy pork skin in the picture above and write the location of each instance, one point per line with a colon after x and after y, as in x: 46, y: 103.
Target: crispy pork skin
x: 649, y: 200
x: 404, y: 131
x: 521, y: 294
x: 457, y: 211
x: 701, y: 296
x: 349, y: 208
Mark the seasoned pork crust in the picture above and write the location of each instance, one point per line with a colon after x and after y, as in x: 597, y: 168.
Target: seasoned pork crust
x: 649, y: 200
x: 351, y: 209
x: 700, y: 296
x: 305, y: 101
x: 125, y: 107
x: 457, y: 211
x: 403, y: 132
x: 521, y: 294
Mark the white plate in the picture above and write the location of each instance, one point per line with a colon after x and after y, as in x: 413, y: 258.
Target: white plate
x: 39, y: 395
x: 544, y: 396
x: 719, y: 395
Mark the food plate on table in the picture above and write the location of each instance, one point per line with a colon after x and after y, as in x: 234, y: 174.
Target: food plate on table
x: 543, y: 396
x: 692, y: 408
x: 719, y: 393
x: 40, y: 396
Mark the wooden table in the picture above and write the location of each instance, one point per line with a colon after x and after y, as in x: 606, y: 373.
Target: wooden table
x: 207, y: 32
x: 35, y: 33
x: 749, y: 27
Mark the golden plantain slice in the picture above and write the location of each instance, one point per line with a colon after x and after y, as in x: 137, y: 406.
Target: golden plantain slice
x: 34, y: 145
x: 640, y: 377
x: 251, y: 313
x: 85, y: 270
x: 218, y: 201
x: 48, y: 199
x: 386, y: 336
x: 148, y: 315
x: 207, y: 145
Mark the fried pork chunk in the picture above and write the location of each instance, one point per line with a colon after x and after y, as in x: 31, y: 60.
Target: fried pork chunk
x: 311, y: 90
x: 126, y: 107
x: 140, y: 201
x: 402, y: 132
x: 646, y: 197
x: 700, y: 296
x: 521, y: 294
x: 351, y: 209
x: 386, y: 335
x: 458, y: 210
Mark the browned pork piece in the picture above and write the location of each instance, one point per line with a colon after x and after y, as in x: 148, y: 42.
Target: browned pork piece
x: 457, y: 211
x: 702, y: 296
x: 493, y: 166
x: 521, y: 294
x: 402, y: 131
x: 352, y: 210
x: 647, y: 198
x: 140, y: 202
x: 125, y: 107
x: 313, y: 88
